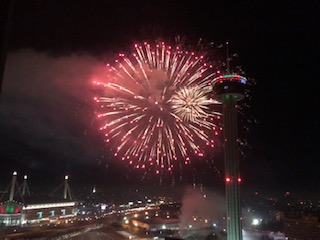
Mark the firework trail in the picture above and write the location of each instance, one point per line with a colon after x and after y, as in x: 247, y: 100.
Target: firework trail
x: 155, y: 106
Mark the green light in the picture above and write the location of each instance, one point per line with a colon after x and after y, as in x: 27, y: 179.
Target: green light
x: 10, y: 208
x: 229, y: 76
x: 39, y: 215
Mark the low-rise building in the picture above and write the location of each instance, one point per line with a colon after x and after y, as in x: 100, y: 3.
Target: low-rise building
x: 301, y: 229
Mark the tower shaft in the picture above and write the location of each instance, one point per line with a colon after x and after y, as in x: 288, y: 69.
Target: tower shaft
x: 25, y: 188
x: 66, y: 188
x: 234, y: 225
x: 13, y: 183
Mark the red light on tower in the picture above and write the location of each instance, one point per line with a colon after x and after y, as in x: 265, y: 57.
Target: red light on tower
x: 239, y: 179
x: 228, y: 179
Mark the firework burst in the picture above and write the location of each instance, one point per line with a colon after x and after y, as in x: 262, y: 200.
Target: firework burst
x: 156, y: 108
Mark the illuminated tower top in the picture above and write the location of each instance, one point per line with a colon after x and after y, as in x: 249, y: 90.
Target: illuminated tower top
x: 229, y: 86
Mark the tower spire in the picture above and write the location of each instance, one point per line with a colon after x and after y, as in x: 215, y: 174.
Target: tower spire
x: 228, y: 58
x: 13, y: 183
x: 25, y: 188
x: 66, y: 191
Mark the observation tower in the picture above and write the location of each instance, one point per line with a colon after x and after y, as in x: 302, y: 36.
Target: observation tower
x: 229, y: 89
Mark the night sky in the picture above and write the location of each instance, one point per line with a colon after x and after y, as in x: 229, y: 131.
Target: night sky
x: 56, y: 48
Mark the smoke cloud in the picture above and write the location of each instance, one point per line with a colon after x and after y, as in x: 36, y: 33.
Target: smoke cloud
x: 47, y: 111
x: 200, y: 209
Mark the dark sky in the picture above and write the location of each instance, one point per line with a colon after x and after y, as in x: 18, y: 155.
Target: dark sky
x: 56, y: 47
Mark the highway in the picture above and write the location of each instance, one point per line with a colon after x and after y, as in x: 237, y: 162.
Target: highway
x: 76, y: 233
x: 54, y: 231
x: 101, y: 233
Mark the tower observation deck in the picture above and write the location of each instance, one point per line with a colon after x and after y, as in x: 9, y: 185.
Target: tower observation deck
x: 228, y: 89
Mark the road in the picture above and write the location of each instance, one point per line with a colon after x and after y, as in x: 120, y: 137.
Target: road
x: 83, y: 233
x: 53, y: 231
x: 97, y: 234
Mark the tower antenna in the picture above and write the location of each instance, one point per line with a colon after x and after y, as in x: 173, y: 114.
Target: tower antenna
x: 228, y: 58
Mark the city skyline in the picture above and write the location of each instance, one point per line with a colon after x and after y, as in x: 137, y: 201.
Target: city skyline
x: 46, y: 129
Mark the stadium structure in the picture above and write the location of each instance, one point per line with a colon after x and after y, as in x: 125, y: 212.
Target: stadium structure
x: 21, y: 208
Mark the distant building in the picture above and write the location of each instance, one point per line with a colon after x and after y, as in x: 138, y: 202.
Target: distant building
x: 34, y: 209
x: 46, y: 209
x: 157, y: 224
x: 10, y: 213
x: 306, y: 228
x: 10, y: 210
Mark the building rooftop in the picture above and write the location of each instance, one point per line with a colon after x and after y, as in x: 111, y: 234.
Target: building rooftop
x: 41, y: 199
